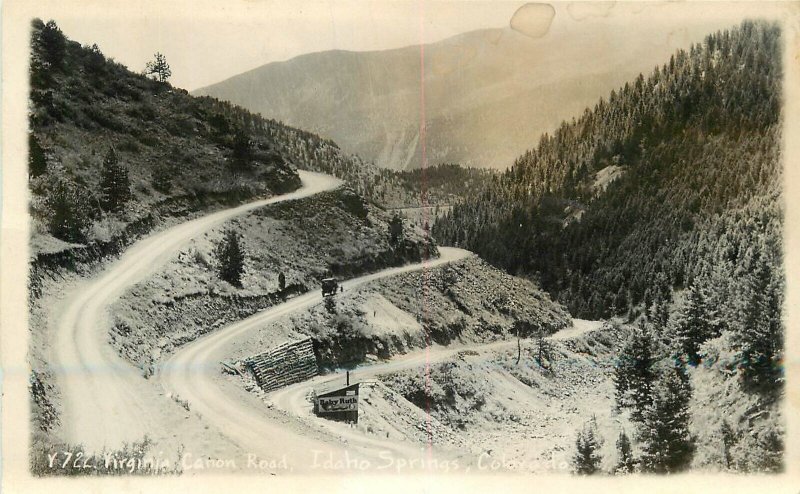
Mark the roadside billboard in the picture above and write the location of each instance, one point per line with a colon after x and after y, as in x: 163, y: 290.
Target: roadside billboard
x: 340, y: 405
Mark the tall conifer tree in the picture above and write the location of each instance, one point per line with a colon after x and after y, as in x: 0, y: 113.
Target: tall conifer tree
x: 230, y: 259
x: 115, y: 187
x: 668, y: 445
x: 634, y: 374
x: 692, y: 323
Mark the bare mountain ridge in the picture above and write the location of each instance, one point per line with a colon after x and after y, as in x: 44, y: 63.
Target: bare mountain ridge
x: 488, y: 94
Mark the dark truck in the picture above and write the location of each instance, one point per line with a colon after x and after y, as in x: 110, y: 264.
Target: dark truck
x: 329, y: 286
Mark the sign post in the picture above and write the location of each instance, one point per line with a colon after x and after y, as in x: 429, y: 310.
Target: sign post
x: 340, y: 405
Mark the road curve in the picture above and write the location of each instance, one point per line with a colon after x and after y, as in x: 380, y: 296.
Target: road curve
x: 292, y: 399
x: 193, y: 374
x: 106, y: 401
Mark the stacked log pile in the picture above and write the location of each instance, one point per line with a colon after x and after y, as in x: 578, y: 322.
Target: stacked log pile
x: 286, y: 364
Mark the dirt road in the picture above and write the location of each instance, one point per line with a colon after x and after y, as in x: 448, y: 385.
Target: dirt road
x: 193, y: 374
x: 290, y: 430
x: 106, y: 400
x: 293, y: 399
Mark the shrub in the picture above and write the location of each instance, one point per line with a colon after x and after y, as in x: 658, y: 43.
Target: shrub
x: 70, y: 211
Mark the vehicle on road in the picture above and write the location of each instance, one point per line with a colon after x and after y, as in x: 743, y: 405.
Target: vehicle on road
x: 329, y: 286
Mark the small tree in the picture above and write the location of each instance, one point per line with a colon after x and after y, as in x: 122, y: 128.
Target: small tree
x: 54, y: 44
x: 230, y: 259
x: 625, y: 461
x: 219, y: 125
x: 728, y: 442
x: 658, y: 312
x: 115, y: 187
x: 634, y: 373
x: 70, y: 214
x: 330, y: 305
x: 242, y: 150
x: 95, y: 63
x: 692, y: 323
x: 281, y: 281
x: 158, y: 68
x: 522, y: 329
x: 759, y: 334
x: 587, y: 459
x: 37, y: 163
x: 544, y: 356
x: 667, y: 444
x: 395, y: 230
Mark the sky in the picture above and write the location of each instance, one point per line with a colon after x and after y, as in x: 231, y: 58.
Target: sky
x: 206, y: 41
x: 205, y: 45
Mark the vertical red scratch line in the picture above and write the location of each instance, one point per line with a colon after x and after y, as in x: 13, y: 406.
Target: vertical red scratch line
x: 423, y: 204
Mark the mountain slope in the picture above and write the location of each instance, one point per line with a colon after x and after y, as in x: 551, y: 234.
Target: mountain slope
x: 487, y: 93
x: 114, y: 154
x: 110, y: 148
x: 642, y: 183
x: 664, y: 203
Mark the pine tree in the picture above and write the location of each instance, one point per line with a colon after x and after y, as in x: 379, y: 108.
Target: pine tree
x: 158, y: 68
x: 587, y: 459
x: 115, y: 188
x: 230, y: 259
x: 634, y: 375
x: 544, y: 357
x: 662, y: 296
x: 728, y: 442
x: 625, y: 461
x: 37, y: 163
x: 692, y: 323
x: 395, y: 230
x: 54, y: 44
x: 95, y: 64
x: 668, y: 446
x: 760, y: 332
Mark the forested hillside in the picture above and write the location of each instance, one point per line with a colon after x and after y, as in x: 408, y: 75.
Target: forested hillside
x: 445, y: 183
x: 675, y: 177
x: 665, y: 201
x: 442, y: 184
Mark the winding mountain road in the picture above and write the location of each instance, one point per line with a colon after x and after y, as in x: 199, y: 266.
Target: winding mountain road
x: 106, y: 401
x: 193, y: 374
x: 293, y: 399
